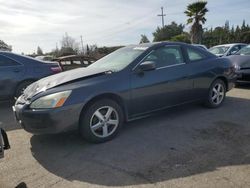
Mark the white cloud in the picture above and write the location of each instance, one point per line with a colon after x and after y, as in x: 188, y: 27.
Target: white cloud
x: 25, y: 24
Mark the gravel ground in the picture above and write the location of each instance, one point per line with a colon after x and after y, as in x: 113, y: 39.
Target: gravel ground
x: 188, y: 146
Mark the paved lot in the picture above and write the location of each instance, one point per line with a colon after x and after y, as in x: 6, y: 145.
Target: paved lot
x: 189, y: 146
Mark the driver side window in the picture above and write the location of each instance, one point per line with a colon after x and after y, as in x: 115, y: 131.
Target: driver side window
x: 166, y: 56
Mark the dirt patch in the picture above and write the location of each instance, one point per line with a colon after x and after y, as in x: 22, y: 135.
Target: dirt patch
x: 227, y: 131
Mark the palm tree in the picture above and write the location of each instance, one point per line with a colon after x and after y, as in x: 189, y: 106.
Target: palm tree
x: 196, y: 13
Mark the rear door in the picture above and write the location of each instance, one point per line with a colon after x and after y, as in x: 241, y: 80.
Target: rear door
x: 167, y: 85
x: 11, y: 72
x: 202, y: 72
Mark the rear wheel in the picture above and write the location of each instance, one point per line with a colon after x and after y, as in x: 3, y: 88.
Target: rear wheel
x: 21, y: 87
x: 101, y: 121
x: 216, y: 94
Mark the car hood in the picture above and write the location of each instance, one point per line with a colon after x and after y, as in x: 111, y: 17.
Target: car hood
x: 241, y: 60
x: 61, y: 79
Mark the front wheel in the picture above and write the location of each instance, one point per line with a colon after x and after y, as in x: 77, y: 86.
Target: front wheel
x: 216, y: 94
x: 101, y: 121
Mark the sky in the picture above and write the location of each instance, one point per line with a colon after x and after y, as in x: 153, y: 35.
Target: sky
x: 26, y: 24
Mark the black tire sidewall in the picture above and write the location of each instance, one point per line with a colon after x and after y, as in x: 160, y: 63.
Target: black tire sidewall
x: 84, y: 125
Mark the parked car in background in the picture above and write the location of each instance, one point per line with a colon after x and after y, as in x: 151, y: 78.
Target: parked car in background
x: 74, y: 61
x: 226, y: 49
x: 127, y: 84
x: 200, y: 46
x: 17, y: 72
x: 241, y: 60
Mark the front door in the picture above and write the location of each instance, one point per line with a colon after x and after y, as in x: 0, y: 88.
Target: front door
x: 167, y: 85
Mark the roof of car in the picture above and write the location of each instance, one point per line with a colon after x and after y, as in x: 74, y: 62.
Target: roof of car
x: 151, y: 44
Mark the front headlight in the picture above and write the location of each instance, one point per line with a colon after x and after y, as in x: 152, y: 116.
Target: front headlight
x: 54, y: 100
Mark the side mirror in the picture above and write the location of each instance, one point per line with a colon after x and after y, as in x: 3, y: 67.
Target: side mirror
x: 147, y: 66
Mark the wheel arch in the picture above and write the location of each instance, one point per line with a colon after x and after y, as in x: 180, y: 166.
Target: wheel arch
x: 115, y: 97
x: 224, y: 79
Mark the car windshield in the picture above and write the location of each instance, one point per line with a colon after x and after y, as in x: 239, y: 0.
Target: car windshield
x: 119, y: 59
x: 218, y: 49
x: 244, y: 51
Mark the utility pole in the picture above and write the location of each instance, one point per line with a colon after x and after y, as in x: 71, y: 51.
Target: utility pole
x: 82, y: 44
x: 162, y: 15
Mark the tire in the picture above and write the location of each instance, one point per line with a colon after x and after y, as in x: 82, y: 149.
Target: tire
x: 21, y: 87
x: 216, y: 94
x: 101, y: 121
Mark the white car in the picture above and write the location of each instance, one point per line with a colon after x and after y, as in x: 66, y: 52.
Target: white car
x: 226, y: 49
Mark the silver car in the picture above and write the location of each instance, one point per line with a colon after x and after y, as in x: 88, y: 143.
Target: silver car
x: 226, y: 49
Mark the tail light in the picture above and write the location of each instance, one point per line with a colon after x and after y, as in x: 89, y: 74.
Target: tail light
x: 56, y: 69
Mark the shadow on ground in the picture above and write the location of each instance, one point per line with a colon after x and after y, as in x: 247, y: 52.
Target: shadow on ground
x: 243, y: 85
x: 176, y: 143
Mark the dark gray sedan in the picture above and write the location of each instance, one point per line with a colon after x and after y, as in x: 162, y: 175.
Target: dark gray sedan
x: 17, y: 72
x: 130, y: 83
x: 241, y: 60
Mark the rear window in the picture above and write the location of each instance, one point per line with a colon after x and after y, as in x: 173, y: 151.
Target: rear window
x: 195, y: 55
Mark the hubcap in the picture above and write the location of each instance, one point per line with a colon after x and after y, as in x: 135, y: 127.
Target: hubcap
x: 218, y: 93
x: 104, y: 121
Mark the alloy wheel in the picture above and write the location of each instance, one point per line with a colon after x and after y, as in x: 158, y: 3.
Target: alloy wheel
x: 104, y: 121
x: 218, y: 93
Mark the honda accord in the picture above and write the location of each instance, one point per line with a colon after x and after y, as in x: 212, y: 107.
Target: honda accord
x: 130, y: 83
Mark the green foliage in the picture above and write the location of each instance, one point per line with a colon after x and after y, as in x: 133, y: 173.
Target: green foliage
x: 144, y: 39
x: 225, y: 34
x: 107, y: 50
x: 167, y: 32
x: 196, y: 16
x: 184, y: 37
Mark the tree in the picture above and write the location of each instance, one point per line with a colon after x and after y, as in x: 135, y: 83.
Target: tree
x: 87, y: 50
x: 196, y: 13
x: 226, y: 34
x: 39, y: 51
x: 144, y: 39
x: 167, y: 32
x: 184, y: 37
x: 4, y: 46
x: 69, y: 45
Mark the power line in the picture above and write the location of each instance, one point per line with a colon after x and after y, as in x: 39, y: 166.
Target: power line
x: 110, y: 32
x: 162, y: 15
